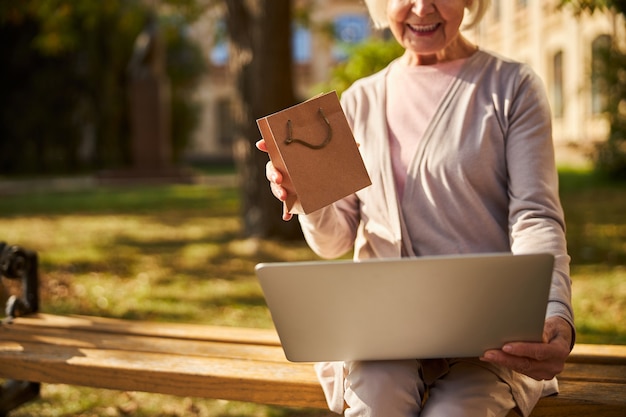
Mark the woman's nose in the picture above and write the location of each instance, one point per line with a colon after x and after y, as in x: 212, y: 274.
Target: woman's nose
x: 423, y: 7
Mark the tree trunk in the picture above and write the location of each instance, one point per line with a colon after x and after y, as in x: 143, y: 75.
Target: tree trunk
x: 260, y: 59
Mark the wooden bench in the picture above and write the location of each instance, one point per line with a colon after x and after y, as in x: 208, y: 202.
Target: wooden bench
x: 224, y: 363
x: 237, y: 364
x: 178, y: 359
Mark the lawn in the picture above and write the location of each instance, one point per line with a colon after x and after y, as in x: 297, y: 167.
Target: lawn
x: 176, y: 253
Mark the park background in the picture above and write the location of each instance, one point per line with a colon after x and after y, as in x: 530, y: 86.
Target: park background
x: 172, y: 231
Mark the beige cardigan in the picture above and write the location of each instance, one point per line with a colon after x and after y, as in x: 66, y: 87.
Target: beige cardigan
x: 483, y: 179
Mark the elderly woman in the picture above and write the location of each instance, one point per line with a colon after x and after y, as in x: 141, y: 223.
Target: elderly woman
x: 457, y: 142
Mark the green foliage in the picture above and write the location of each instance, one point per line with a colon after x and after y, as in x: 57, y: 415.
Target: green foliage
x: 64, y: 103
x: 364, y: 59
x: 185, y: 66
x: 610, y: 156
x: 592, y: 5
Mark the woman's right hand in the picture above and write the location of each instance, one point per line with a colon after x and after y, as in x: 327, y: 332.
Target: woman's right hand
x: 275, y: 177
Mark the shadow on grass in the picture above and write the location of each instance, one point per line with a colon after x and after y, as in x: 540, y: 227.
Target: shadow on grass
x: 174, y: 266
x: 592, y: 335
x: 212, y: 201
x: 594, y: 214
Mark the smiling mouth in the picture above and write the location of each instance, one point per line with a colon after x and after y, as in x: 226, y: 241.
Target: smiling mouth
x: 423, y: 29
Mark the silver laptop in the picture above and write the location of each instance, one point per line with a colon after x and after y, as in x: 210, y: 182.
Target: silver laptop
x: 427, y: 307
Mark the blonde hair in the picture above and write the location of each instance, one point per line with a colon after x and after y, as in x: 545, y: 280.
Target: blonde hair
x: 378, y: 13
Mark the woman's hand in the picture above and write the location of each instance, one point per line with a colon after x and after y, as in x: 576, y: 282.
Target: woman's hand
x: 537, y: 360
x: 275, y: 178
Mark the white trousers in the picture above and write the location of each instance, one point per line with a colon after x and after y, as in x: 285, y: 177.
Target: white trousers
x: 396, y: 389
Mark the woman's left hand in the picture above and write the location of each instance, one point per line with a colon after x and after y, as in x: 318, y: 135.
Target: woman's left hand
x: 537, y: 360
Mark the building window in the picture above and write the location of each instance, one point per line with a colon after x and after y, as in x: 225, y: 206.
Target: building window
x: 557, y: 85
x: 599, y: 88
x: 301, y: 44
x: 496, y: 10
x: 218, y: 55
x: 225, y: 124
x: 349, y: 30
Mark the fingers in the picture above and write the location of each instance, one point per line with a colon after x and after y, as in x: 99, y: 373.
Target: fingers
x: 535, y: 351
x: 538, y: 370
x: 286, y: 215
x: 522, y: 365
x: 276, y: 179
x: 260, y: 145
x: 537, y: 360
x: 555, y: 329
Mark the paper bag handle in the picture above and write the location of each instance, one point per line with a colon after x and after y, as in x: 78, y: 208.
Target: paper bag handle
x: 290, y: 139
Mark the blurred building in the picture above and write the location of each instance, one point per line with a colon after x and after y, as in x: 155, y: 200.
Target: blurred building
x: 562, y: 49
x: 560, y: 46
x: 316, y: 48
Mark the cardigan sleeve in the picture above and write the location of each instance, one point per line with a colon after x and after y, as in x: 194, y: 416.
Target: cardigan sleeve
x: 331, y: 231
x: 536, y: 218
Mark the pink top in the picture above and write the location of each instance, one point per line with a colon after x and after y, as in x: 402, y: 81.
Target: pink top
x: 408, y: 118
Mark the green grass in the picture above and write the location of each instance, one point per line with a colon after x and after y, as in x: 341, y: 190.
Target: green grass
x: 600, y: 303
x: 176, y: 253
x: 123, y: 200
x: 595, y: 212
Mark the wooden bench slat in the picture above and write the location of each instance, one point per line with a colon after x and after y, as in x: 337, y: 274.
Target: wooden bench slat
x: 127, y: 342
x: 607, y: 354
x: 589, y: 393
x: 570, y: 407
x: 237, y: 364
x: 580, y: 399
x: 156, y: 329
x: 594, y: 372
x: 230, y: 379
x: 581, y: 352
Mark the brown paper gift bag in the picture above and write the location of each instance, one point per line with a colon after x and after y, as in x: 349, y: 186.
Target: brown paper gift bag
x: 313, y: 144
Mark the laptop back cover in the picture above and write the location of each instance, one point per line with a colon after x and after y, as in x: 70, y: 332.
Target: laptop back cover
x: 427, y: 307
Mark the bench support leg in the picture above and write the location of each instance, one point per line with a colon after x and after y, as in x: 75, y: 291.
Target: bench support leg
x: 19, y: 264
x: 16, y: 393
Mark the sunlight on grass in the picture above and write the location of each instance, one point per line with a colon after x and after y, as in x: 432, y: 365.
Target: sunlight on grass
x: 66, y: 401
x: 196, y: 255
x: 600, y: 304
x: 165, y: 266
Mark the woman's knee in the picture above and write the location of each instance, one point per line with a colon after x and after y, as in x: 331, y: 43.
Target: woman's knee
x: 469, y: 390
x: 383, y: 388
